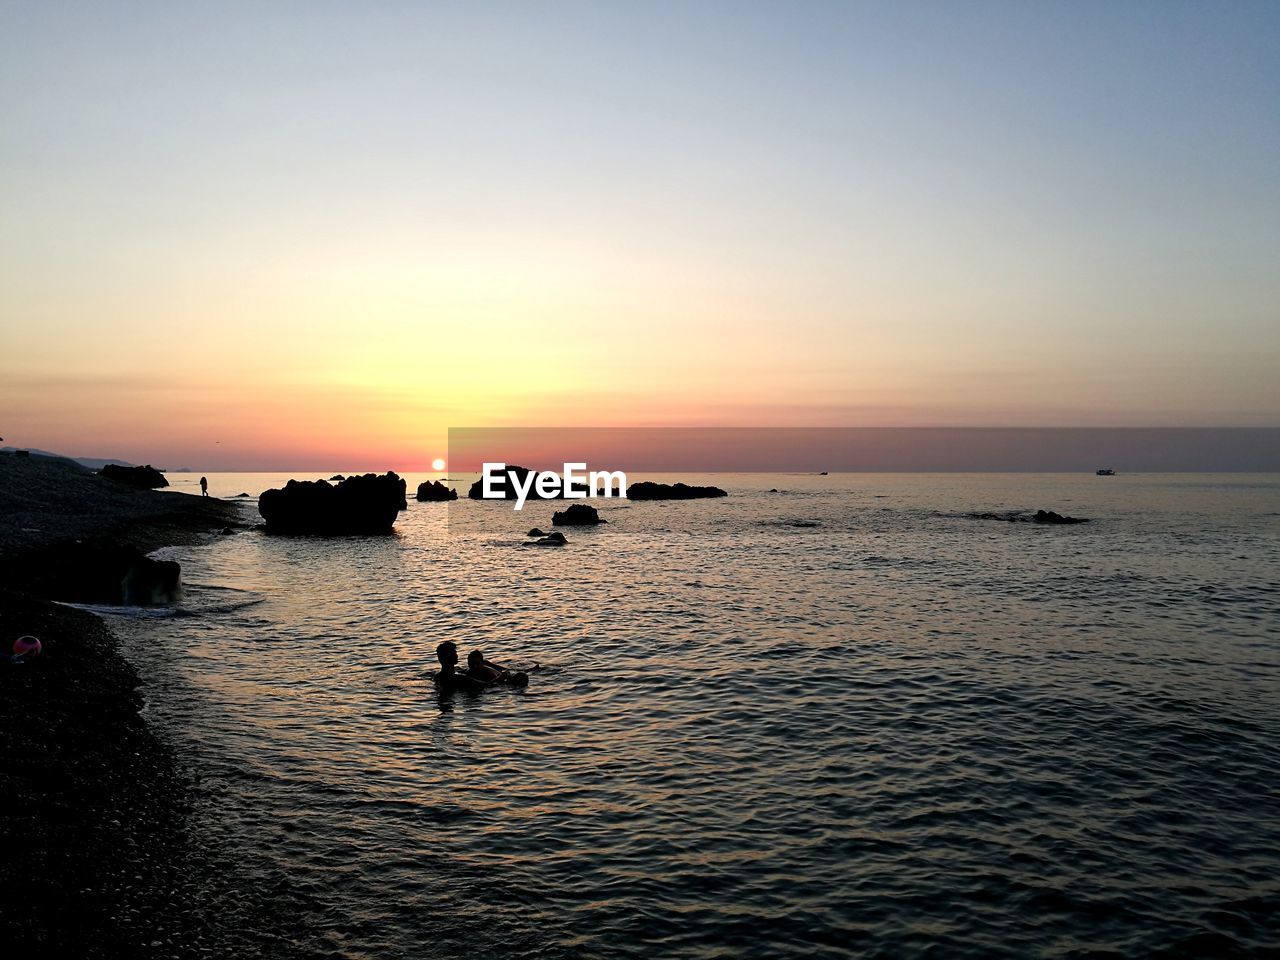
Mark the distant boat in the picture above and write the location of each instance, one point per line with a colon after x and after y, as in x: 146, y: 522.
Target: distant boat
x: 1106, y: 472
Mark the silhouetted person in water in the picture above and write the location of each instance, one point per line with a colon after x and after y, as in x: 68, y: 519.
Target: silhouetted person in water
x: 478, y: 668
x: 448, y: 677
x: 480, y: 672
x: 447, y: 654
x: 204, y: 486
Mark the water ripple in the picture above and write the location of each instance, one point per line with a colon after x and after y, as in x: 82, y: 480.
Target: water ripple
x: 896, y: 733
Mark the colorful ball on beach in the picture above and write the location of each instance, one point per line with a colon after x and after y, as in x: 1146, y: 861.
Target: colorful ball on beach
x: 26, y: 647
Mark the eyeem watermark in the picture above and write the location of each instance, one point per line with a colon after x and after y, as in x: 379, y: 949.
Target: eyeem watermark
x: 498, y: 482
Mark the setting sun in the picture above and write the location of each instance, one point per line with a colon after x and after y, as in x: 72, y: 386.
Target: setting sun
x: 437, y: 464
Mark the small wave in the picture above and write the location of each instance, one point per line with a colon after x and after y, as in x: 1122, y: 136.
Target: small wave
x: 111, y: 610
x: 212, y: 610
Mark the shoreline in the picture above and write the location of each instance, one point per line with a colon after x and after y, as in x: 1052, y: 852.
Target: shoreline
x: 97, y: 860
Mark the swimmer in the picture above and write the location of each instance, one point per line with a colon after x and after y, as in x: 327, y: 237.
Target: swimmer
x: 478, y: 668
x: 447, y: 654
x: 490, y: 672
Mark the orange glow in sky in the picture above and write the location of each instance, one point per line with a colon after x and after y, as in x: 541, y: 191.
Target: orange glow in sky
x: 219, y: 256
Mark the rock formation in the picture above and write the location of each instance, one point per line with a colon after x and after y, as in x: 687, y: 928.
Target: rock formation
x: 358, y: 505
x: 502, y: 485
x: 144, y: 478
x: 103, y: 572
x: 1021, y: 516
x: 433, y: 491
x: 578, y: 515
x: 1048, y: 516
x: 647, y: 490
x: 555, y: 539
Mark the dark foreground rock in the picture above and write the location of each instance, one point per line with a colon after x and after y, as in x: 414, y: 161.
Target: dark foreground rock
x: 647, y: 490
x: 101, y: 572
x: 143, y: 478
x: 578, y: 515
x: 358, y: 505
x: 536, y: 532
x: 433, y: 491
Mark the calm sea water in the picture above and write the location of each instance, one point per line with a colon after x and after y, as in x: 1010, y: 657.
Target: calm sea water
x: 840, y: 719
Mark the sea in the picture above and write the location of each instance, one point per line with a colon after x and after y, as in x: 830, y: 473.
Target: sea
x: 824, y: 716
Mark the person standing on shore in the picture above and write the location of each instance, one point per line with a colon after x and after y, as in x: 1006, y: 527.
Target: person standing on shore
x: 204, y: 486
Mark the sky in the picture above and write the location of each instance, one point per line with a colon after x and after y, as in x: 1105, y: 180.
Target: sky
x: 318, y: 235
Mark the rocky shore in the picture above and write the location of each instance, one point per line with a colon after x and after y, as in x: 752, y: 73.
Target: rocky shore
x: 96, y: 861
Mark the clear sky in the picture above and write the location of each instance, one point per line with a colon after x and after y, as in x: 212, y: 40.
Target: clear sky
x: 319, y: 234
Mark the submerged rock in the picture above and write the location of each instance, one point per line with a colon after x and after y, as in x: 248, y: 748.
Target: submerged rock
x: 647, y: 490
x: 1048, y: 516
x: 536, y: 532
x: 1021, y: 516
x: 358, y: 505
x: 144, y: 478
x: 578, y: 515
x: 433, y: 491
x: 555, y: 539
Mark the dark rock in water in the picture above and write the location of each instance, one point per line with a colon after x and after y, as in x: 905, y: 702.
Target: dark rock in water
x: 1006, y: 517
x: 555, y: 539
x: 502, y: 484
x: 578, y: 515
x: 433, y: 491
x: 1021, y: 516
x: 358, y: 505
x: 773, y: 489
x: 101, y: 572
x: 144, y: 478
x: 242, y: 496
x: 535, y: 532
x: 227, y: 531
x: 1048, y: 516
x: 647, y: 490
